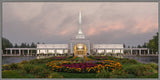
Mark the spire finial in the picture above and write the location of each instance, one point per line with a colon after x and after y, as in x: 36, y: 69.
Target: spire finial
x: 80, y: 34
x: 80, y: 21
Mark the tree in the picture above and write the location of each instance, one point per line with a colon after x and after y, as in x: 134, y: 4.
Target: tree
x: 144, y: 45
x: 33, y: 45
x: 153, y: 43
x: 6, y: 43
x: 16, y: 46
x: 27, y: 45
x: 139, y: 46
x: 23, y: 45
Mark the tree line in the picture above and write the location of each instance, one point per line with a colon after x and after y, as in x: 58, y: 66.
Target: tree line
x: 7, y: 44
x: 152, y: 44
x: 138, y: 46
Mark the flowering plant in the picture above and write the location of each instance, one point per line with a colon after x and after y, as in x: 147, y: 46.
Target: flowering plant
x: 60, y: 57
x: 88, y: 67
x: 100, y: 57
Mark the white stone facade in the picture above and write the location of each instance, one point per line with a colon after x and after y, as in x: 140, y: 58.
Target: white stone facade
x: 108, y: 48
x: 52, y: 48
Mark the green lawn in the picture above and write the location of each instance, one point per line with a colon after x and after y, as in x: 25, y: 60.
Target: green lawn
x: 78, y: 75
x: 38, y: 69
x: 15, y: 74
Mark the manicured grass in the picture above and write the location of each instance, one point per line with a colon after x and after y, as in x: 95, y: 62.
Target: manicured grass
x: 38, y: 69
x: 78, y: 75
x: 15, y: 74
x: 155, y: 75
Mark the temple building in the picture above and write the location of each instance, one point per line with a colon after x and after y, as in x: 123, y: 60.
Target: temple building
x: 79, y: 46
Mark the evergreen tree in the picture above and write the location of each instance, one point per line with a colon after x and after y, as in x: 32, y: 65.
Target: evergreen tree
x: 16, y: 46
x: 6, y: 43
x: 23, y: 45
x: 33, y: 45
x: 144, y: 45
x: 27, y: 45
x: 139, y: 46
x: 153, y: 43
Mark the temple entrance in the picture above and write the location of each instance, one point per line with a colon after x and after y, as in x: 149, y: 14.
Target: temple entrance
x: 80, y: 50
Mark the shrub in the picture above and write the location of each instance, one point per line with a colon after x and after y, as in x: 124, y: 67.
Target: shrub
x: 138, y: 70
x: 40, y: 72
x: 24, y: 62
x: 153, y: 65
x: 104, y: 74
x: 37, y: 69
x: 28, y: 68
x: 132, y: 61
x: 13, y: 66
x: 128, y: 61
x: 5, y: 67
x: 38, y: 61
x: 35, y: 61
x: 118, y: 74
x: 55, y: 75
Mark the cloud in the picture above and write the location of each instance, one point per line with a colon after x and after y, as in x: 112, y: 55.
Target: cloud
x: 105, y: 22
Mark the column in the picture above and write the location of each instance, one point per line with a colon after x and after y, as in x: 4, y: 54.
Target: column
x: 11, y: 51
x: 19, y: 52
x: 144, y: 52
x: 136, y: 52
x: 148, y: 51
x: 47, y: 51
x: 39, y: 52
x: 63, y: 52
x: 105, y: 52
x: 55, y: 52
x: 131, y: 51
x: 112, y: 50
x: 128, y: 52
x: 152, y: 51
x: 139, y: 51
x: 68, y: 52
x: 96, y: 51
x: 28, y: 51
x: 23, y: 52
x: 120, y: 50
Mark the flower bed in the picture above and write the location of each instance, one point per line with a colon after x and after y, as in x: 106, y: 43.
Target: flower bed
x: 100, y: 57
x: 87, y: 67
x: 55, y: 58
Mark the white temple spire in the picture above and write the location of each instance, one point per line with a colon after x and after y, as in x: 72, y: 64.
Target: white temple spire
x: 80, y: 34
x: 80, y: 22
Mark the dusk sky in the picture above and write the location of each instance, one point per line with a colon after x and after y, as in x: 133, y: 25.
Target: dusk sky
x: 131, y: 23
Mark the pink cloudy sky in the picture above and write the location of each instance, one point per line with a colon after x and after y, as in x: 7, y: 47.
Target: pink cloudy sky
x: 131, y: 23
